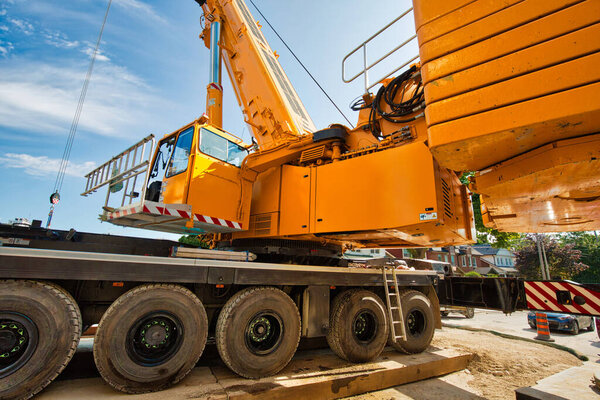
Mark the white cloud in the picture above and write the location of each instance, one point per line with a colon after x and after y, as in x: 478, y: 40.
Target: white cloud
x: 99, y: 54
x: 43, y: 166
x: 2, y: 12
x: 23, y: 25
x: 40, y: 97
x: 141, y: 8
x: 59, y: 39
x: 5, y: 48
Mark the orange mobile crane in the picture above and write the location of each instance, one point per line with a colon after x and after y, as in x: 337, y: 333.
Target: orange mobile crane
x: 482, y: 101
x: 507, y: 90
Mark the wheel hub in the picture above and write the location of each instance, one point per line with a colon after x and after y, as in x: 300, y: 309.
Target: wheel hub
x: 415, y: 322
x: 263, y: 333
x: 16, y: 344
x: 154, y: 338
x: 364, y: 326
x: 155, y: 333
x: 260, y: 329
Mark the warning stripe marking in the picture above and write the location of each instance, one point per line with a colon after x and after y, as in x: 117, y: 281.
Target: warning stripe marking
x: 542, y: 295
x: 174, y: 212
x: 549, y: 294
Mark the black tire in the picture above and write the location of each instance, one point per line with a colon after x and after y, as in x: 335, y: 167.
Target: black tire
x: 418, y: 321
x: 46, y: 319
x: 258, y: 331
x: 575, y: 329
x: 469, y: 312
x: 150, y: 338
x: 358, y: 329
x: 590, y: 328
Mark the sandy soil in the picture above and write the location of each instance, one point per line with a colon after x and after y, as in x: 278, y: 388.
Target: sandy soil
x: 499, y: 366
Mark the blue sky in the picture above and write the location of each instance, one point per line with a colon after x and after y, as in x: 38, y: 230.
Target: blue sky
x: 150, y: 77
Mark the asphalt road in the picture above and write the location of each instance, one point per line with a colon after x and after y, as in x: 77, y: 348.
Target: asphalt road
x: 586, y: 343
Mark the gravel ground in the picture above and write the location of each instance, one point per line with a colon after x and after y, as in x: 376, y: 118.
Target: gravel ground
x: 585, y: 342
x: 499, y: 366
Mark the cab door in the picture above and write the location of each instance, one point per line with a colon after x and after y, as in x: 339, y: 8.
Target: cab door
x: 175, y: 186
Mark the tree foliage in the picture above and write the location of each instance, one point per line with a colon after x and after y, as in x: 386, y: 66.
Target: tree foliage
x: 195, y: 241
x: 589, y: 246
x: 564, y: 260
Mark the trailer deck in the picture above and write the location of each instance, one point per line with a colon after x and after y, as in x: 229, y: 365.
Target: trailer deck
x: 24, y: 263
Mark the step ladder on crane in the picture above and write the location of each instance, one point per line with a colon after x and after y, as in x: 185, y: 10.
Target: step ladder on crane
x: 394, y: 306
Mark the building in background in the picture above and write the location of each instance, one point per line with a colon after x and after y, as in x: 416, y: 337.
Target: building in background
x: 481, y: 258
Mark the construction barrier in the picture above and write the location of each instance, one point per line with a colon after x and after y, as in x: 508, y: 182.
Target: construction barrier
x: 543, y: 329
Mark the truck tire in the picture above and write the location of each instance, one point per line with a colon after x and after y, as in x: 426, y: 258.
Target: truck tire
x: 418, y: 321
x: 150, y: 338
x: 258, y: 331
x: 358, y: 327
x: 469, y: 312
x: 40, y: 327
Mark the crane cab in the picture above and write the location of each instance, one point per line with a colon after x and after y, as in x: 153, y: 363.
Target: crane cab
x: 194, y: 184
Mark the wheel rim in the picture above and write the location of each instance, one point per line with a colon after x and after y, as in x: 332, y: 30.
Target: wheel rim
x: 154, y: 338
x: 264, y: 332
x: 416, y: 323
x: 364, y: 326
x: 18, y: 341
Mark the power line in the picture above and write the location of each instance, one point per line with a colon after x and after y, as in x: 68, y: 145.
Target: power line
x: 60, y: 177
x: 300, y: 62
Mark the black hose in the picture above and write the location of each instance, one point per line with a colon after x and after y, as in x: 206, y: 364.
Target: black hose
x: 397, y: 110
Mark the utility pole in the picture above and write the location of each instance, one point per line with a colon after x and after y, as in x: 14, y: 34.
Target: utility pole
x: 546, y: 267
x: 539, y: 249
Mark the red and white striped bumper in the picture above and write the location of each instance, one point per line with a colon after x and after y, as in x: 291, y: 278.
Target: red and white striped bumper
x: 169, y: 218
x: 563, y: 297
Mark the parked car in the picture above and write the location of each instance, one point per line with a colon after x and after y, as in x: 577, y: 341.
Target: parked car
x: 468, y: 312
x: 564, y: 322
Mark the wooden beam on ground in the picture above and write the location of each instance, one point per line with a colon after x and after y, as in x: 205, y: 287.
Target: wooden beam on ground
x: 314, y: 374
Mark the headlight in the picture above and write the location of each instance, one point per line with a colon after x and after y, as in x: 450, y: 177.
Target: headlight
x: 565, y: 318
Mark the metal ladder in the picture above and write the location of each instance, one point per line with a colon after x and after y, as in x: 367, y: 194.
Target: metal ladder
x: 394, y: 310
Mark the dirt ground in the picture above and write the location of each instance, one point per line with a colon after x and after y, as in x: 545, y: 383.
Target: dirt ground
x: 499, y: 366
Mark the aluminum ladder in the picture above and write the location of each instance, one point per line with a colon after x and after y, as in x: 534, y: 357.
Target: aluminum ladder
x: 394, y: 307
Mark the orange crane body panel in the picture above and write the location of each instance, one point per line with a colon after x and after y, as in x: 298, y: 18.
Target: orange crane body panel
x: 507, y: 83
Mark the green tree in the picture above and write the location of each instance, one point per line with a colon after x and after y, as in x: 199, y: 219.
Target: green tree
x: 564, y: 261
x: 195, y: 241
x: 589, y: 246
x: 485, y: 235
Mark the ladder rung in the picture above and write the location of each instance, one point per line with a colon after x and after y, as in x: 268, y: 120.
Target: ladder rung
x: 391, y: 294
x: 394, y: 308
x: 398, y: 337
x: 389, y: 281
x: 396, y: 322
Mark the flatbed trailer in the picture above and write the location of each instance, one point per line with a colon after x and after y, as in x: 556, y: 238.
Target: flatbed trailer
x: 156, y: 312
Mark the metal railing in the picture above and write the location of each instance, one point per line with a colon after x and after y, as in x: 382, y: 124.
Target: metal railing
x: 122, y: 172
x: 367, y: 66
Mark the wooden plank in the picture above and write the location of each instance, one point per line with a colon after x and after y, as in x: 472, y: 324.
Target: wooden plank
x: 321, y: 375
x: 315, y: 374
x: 187, y: 252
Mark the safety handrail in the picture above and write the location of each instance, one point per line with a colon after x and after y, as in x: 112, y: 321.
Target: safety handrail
x: 366, y: 68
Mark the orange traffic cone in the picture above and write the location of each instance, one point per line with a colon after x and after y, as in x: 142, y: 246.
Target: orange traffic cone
x: 543, y: 329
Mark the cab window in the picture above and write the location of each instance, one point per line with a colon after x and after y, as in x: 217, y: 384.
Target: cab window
x: 220, y: 148
x: 181, y: 154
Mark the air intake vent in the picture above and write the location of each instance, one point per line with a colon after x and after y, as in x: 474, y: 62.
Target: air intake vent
x: 261, y: 224
x: 447, y: 198
x: 312, y: 154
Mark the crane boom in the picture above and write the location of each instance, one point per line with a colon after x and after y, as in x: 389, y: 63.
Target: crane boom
x: 270, y: 105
